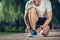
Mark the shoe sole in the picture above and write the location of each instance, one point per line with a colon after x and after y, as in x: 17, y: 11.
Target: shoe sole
x: 33, y: 36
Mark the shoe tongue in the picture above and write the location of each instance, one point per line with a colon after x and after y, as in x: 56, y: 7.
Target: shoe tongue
x: 34, y: 32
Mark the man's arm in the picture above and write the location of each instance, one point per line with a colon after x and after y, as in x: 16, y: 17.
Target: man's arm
x: 49, y: 13
x: 48, y: 20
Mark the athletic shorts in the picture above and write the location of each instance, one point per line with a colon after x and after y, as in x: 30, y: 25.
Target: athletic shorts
x: 41, y: 22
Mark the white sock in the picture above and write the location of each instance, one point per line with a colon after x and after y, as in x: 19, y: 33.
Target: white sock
x: 40, y: 34
x: 41, y: 31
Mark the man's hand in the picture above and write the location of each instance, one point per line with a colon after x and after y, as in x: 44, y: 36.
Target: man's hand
x: 39, y: 29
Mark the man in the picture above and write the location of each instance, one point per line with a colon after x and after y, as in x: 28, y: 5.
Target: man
x: 38, y: 11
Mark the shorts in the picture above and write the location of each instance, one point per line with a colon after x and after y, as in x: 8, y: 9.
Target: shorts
x: 41, y: 22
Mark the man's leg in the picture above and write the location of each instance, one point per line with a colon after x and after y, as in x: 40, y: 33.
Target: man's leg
x: 33, y: 18
x: 26, y: 19
x: 45, y: 30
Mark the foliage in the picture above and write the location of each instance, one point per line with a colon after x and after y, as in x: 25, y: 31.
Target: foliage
x: 12, y: 14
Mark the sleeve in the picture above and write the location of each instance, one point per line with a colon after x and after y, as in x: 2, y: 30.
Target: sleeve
x: 48, y: 6
x: 26, y: 7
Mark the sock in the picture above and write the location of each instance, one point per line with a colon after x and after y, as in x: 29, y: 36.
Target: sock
x: 41, y: 31
x: 40, y: 34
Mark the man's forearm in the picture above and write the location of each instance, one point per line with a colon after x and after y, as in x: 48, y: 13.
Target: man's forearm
x: 48, y: 20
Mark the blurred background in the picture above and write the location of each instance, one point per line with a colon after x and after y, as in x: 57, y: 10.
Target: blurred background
x: 12, y: 15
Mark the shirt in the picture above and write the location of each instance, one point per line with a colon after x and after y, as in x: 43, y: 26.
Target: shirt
x: 41, y: 9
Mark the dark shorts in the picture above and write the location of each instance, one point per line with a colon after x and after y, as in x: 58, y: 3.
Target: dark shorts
x: 41, y: 22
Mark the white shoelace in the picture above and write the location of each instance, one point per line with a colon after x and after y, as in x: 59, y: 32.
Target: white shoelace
x: 40, y: 34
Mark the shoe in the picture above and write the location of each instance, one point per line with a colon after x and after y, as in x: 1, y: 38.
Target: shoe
x: 40, y: 34
x: 33, y: 34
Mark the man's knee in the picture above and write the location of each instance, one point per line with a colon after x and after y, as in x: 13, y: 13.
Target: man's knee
x: 45, y: 34
x: 46, y: 31
x: 32, y: 10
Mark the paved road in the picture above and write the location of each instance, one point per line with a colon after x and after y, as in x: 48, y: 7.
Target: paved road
x: 22, y: 36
